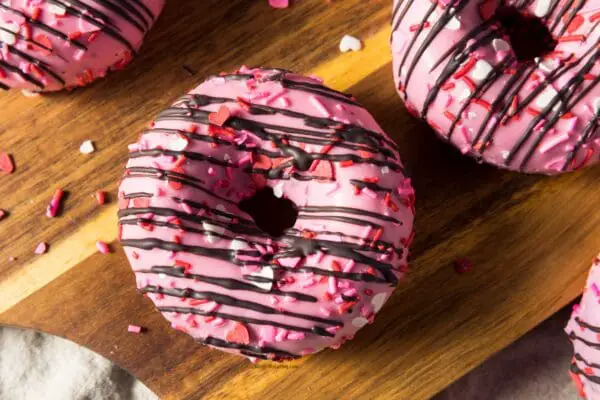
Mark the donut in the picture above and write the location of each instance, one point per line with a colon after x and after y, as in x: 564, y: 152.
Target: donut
x: 206, y: 263
x: 511, y: 83
x: 48, y: 45
x: 584, y: 332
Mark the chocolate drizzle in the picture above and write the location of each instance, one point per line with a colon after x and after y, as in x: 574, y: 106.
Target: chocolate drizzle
x: 103, y: 16
x: 500, y: 111
x: 291, y: 157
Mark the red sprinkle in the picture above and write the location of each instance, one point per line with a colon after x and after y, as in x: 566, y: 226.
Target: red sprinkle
x: 102, y: 247
x: 100, y: 197
x: 7, y: 165
x: 220, y: 117
x: 238, y: 334
x: 463, y: 265
x: 464, y: 70
x: 55, y: 204
x: 571, y: 38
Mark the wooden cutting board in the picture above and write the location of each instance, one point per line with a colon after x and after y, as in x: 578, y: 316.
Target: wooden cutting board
x: 530, y: 238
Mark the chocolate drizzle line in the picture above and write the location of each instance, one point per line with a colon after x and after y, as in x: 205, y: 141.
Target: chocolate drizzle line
x: 351, y: 143
x: 129, y: 11
x: 482, y: 35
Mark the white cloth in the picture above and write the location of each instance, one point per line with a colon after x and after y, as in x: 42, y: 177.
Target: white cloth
x: 37, y: 366
x: 34, y: 366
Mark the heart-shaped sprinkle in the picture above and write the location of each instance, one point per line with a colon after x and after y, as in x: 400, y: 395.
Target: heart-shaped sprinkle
x: 220, y: 117
x: 87, y: 147
x: 279, y: 3
x: 238, y: 334
x: 325, y: 170
x: 179, y: 143
x: 350, y: 43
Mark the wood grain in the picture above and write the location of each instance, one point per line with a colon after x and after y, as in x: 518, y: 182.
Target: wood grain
x: 530, y: 238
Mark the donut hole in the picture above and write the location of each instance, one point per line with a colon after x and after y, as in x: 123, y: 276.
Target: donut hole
x: 529, y: 36
x: 270, y: 213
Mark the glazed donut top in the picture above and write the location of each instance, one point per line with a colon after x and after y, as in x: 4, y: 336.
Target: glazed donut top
x: 204, y: 262
x: 584, y: 330
x: 455, y: 68
x: 47, y: 45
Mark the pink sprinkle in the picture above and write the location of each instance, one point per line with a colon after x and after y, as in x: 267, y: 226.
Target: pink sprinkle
x: 324, y: 311
x: 218, y: 322
x: 186, y: 207
x: 281, y: 335
x: 2, y: 213
x: 295, y: 336
x: 553, y: 141
x: 338, y: 300
x: 41, y: 248
x: 349, y: 265
x: 319, y: 106
x: 267, y: 333
x: 102, y: 247
x: 350, y: 292
x: 289, y: 299
x: 576, y: 308
x: 332, y: 285
x: 595, y: 289
x: 212, y: 306
x: 134, y: 329
x: 333, y: 329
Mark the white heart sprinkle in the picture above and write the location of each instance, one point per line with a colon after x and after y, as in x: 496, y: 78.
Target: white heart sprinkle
x: 546, y: 97
x: 179, y: 144
x: 541, y: 8
x: 454, y: 24
x: 87, y: 147
x: 378, y: 301
x: 359, y: 322
x: 481, y: 70
x: 500, y: 45
x: 265, y: 272
x: 548, y: 65
x: 350, y: 43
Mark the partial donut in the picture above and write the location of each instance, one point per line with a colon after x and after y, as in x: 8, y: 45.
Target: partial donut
x: 206, y: 264
x: 584, y: 332
x: 455, y: 67
x: 48, y: 45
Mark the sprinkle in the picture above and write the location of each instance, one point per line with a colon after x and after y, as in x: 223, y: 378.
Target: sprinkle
x: 463, y: 265
x: 134, y: 329
x: 55, y: 204
x: 100, y: 197
x: 295, y: 336
x: 332, y: 285
x: 41, y: 248
x: 2, y: 214
x: 7, y: 166
x: 220, y: 117
x: 350, y: 43
x: 102, y: 247
x: 238, y: 334
x: 279, y: 3
x: 87, y: 147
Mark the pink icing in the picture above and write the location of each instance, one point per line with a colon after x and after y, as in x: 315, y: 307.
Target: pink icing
x: 538, y: 127
x: 47, y: 45
x: 327, y: 276
x: 584, y: 331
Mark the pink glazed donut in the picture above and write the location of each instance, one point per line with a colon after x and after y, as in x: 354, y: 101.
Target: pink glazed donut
x: 48, y: 45
x: 455, y: 67
x: 584, y: 331
x: 205, y: 263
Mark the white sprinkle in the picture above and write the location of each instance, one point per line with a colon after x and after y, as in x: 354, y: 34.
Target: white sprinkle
x: 541, y: 8
x: 265, y: 272
x: 179, y: 144
x: 481, y: 70
x: 378, y: 301
x: 350, y: 43
x: 238, y: 244
x: 454, y: 24
x: 278, y: 190
x: 500, y: 45
x: 56, y: 9
x: 87, y: 147
x: 546, y: 97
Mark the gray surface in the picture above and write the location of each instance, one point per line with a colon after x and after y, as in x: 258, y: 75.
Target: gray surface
x: 36, y: 366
